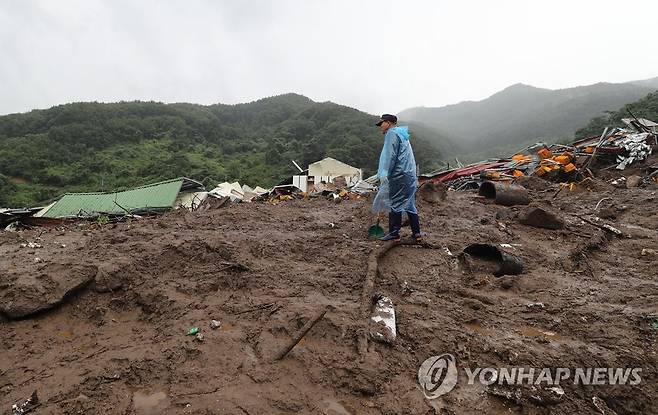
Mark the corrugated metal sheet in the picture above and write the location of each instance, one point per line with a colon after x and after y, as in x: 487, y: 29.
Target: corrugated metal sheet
x: 448, y: 175
x: 155, y: 196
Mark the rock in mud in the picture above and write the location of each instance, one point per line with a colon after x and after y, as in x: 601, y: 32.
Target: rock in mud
x: 110, y: 277
x: 532, y: 182
x: 541, y: 218
x: 432, y: 193
x: 633, y: 181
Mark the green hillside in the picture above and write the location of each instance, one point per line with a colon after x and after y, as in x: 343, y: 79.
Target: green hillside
x: 523, y: 114
x: 96, y: 146
x: 647, y: 108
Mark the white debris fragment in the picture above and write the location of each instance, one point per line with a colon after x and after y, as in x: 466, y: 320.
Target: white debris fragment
x: 557, y: 391
x: 535, y: 305
x: 215, y: 324
x: 27, y: 406
x: 620, y: 182
x: 31, y: 245
x: 384, y: 321
x: 611, y: 229
x: 637, y: 149
x: 509, y: 246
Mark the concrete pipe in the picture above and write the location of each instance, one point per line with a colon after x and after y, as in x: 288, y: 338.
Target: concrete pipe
x: 505, y: 194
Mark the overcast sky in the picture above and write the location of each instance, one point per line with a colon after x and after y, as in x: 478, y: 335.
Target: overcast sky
x: 377, y: 56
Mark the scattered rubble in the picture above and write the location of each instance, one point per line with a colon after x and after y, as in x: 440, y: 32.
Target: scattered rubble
x: 32, y: 245
x: 26, y: 406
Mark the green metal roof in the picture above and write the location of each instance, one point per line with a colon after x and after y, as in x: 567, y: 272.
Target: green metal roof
x: 155, y: 196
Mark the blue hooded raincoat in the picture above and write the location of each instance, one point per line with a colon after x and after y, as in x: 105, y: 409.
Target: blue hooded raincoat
x: 397, y: 174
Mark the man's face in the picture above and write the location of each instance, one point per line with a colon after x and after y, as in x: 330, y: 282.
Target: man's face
x: 384, y: 126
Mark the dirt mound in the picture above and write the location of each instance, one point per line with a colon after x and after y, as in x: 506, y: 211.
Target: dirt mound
x: 126, y: 295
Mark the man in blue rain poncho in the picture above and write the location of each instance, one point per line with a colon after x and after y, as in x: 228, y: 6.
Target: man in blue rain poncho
x: 397, y: 178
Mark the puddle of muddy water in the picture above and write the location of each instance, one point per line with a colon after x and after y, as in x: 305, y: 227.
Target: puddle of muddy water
x: 535, y: 332
x: 475, y: 327
x: 334, y: 407
x: 146, y: 403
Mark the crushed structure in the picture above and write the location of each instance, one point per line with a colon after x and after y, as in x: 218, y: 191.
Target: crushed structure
x: 326, y: 171
x: 143, y: 200
x: 559, y: 162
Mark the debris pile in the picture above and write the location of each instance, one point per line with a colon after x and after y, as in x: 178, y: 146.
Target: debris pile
x: 560, y: 163
x: 237, y: 193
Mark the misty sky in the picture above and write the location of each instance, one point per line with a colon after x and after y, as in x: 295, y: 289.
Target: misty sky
x: 377, y: 56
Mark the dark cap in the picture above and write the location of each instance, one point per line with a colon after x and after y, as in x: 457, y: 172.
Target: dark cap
x: 387, y: 117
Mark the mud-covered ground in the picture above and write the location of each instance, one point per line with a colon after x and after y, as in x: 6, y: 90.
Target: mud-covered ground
x: 130, y: 292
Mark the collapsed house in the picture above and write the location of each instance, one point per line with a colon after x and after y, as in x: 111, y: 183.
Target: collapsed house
x: 327, y: 170
x: 144, y: 200
x: 8, y: 216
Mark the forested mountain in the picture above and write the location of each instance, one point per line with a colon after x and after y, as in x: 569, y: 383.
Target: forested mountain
x: 523, y: 114
x: 646, y: 107
x: 96, y: 146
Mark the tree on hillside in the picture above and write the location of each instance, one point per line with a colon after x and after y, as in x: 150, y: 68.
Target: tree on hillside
x: 647, y: 108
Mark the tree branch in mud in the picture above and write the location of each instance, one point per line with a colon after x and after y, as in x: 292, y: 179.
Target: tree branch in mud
x: 300, y: 334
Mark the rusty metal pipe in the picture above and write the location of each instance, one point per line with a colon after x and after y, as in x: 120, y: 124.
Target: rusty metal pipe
x: 505, y: 194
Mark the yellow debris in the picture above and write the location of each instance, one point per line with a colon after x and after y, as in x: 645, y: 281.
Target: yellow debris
x: 545, y: 153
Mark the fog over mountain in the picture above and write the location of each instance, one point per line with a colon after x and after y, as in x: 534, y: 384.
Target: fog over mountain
x: 520, y: 114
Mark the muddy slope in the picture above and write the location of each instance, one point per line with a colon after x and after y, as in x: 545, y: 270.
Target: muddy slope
x: 98, y: 323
